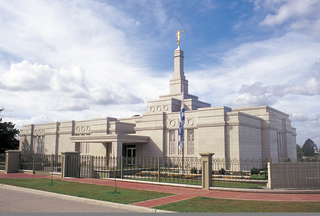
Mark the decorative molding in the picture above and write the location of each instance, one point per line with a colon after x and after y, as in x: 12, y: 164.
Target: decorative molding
x: 190, y: 122
x: 172, y: 123
x: 39, y: 132
x: 158, y: 108
x: 83, y: 129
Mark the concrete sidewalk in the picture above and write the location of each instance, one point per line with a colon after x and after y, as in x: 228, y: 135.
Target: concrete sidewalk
x: 182, y: 193
x: 29, y: 200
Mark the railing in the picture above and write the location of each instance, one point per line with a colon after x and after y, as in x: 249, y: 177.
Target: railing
x: 2, y: 161
x: 239, y: 173
x: 41, y: 163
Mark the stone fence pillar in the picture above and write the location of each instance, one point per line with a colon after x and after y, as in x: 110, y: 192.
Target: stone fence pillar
x: 12, y: 161
x: 70, y: 166
x: 269, y: 184
x: 206, y: 170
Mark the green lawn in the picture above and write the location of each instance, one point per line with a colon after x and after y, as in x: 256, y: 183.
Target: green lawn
x: 98, y: 192
x: 205, y: 204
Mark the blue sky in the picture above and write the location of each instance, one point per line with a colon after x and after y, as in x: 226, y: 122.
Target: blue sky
x: 76, y: 60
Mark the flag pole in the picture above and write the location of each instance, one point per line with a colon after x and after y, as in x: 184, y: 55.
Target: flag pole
x: 182, y: 134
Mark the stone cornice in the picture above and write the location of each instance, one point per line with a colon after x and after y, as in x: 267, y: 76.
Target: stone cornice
x: 211, y: 125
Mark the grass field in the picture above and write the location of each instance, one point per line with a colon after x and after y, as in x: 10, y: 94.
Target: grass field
x: 98, y: 192
x: 127, y: 196
x: 205, y: 204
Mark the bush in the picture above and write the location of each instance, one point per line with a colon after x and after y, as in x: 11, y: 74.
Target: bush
x: 194, y: 170
x: 287, y: 160
x: 222, y: 171
x: 254, y: 171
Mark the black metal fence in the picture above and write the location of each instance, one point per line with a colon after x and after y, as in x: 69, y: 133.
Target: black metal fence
x: 41, y: 163
x: 225, y: 173
x: 158, y: 169
x: 2, y: 161
x: 239, y: 173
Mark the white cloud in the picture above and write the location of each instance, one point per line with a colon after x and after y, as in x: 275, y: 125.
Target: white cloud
x: 296, y: 15
x: 25, y: 76
x: 253, y: 95
x: 41, y: 119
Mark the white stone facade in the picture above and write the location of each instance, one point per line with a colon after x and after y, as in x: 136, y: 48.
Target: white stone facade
x: 243, y: 133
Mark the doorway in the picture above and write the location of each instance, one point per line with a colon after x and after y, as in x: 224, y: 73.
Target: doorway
x: 129, y: 152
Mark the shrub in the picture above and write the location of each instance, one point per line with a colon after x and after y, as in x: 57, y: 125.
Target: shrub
x: 194, y: 170
x: 287, y: 160
x: 254, y: 171
x: 222, y: 171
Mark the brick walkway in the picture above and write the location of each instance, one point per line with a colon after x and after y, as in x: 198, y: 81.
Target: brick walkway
x: 181, y: 193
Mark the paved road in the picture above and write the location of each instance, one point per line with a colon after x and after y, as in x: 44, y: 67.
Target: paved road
x: 14, y: 199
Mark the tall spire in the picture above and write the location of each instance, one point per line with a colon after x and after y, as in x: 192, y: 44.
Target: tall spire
x: 178, y: 78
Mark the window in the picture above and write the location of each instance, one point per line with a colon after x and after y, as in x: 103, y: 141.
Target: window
x: 280, y: 142
x: 172, y: 140
x: 190, y: 141
x: 39, y: 144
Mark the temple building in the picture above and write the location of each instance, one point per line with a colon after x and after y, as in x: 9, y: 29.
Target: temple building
x: 243, y: 133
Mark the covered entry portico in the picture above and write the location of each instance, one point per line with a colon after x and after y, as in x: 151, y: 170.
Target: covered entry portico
x: 128, y: 145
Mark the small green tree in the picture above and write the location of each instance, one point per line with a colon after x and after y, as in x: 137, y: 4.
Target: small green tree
x: 8, y: 136
x: 299, y: 153
x: 308, y: 148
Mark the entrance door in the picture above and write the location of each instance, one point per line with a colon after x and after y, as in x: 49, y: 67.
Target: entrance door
x: 130, y: 154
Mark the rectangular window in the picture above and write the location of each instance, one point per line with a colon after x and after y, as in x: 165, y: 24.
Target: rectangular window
x: 190, y: 141
x: 280, y: 142
x: 39, y: 144
x: 172, y: 141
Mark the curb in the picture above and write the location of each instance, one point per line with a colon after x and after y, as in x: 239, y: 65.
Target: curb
x: 86, y: 200
x: 274, y: 191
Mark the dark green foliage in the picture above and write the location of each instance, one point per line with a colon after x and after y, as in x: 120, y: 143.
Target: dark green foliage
x: 254, y: 171
x: 194, y: 170
x: 287, y: 160
x: 222, y: 171
x: 308, y: 148
x: 8, y: 136
x: 299, y: 153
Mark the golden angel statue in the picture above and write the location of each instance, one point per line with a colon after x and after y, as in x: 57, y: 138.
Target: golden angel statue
x: 178, y: 36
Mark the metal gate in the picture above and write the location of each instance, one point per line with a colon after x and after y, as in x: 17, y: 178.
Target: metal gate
x: 40, y: 163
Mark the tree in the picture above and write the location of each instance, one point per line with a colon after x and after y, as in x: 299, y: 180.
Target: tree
x: 8, y: 136
x: 308, y: 148
x: 299, y: 153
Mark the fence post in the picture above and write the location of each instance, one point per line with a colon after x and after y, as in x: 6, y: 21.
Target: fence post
x: 52, y: 161
x: 34, y: 164
x: 91, y: 166
x: 206, y: 170
x: 70, y: 164
x: 270, y: 184
x: 121, y: 167
x: 158, y: 169
x: 12, y: 161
